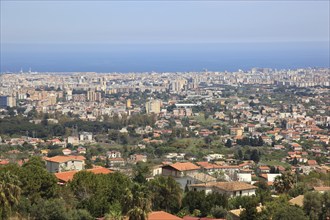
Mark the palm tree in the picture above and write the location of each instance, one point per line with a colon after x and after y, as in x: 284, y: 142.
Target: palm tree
x: 115, y: 212
x: 166, y: 194
x: 9, y: 193
x: 138, y: 203
x: 284, y: 182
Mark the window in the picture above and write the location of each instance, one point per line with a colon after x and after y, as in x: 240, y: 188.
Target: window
x: 240, y: 193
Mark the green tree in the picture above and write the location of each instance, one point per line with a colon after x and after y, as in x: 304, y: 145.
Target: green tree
x: 218, y: 212
x: 313, y: 205
x: 138, y: 202
x: 250, y: 211
x: 166, y: 194
x: 9, y: 193
x: 255, y: 156
x: 49, y: 209
x: 115, y: 212
x: 326, y: 205
x: 289, y: 212
x: 36, y: 181
x: 194, y: 200
x: 97, y: 192
x: 284, y: 183
x: 263, y: 192
x: 141, y: 171
x: 228, y: 143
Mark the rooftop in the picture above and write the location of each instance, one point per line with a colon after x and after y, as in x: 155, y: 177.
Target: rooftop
x: 184, y: 166
x: 62, y: 159
x: 161, y: 215
x: 227, y: 186
x: 67, y: 176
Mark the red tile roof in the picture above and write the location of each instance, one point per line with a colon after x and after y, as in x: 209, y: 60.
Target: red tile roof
x: 4, y: 162
x: 184, y: 166
x: 160, y: 215
x: 264, y: 168
x: 62, y: 159
x: 67, y: 176
x: 311, y: 162
x: 322, y: 188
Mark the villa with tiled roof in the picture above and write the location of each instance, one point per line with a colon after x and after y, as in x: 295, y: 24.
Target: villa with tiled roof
x: 231, y: 189
x: 65, y: 163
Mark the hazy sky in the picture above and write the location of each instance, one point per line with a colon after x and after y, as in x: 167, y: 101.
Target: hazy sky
x: 163, y: 21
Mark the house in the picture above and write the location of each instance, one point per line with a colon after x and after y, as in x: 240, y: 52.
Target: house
x: 322, y: 189
x: 244, y: 177
x: 263, y: 169
x: 66, y: 151
x: 65, y: 163
x: 116, y: 162
x: 161, y: 215
x: 81, y: 150
x: 251, y: 128
x: 74, y: 140
x: 138, y: 158
x: 86, y: 136
x: 67, y: 176
x: 114, y: 154
x: 179, y: 169
x: 4, y: 161
x: 296, y: 147
x: 156, y: 170
x: 211, y: 157
x: 236, y: 131
x: 270, y: 177
x: 200, y: 178
x: 181, y: 172
x: 278, y: 147
x: 312, y: 163
x: 231, y: 189
x: 208, y: 167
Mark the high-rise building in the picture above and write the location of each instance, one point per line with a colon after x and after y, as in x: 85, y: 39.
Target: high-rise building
x: 91, y: 95
x: 128, y: 103
x: 153, y: 106
x: 7, y: 101
x: 94, y: 96
x: 69, y: 94
x: 178, y: 85
x: 3, y: 101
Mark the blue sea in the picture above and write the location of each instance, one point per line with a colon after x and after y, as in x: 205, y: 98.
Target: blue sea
x: 162, y: 57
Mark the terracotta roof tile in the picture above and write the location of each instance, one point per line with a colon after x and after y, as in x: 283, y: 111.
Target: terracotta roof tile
x: 62, y: 159
x: 68, y: 175
x: 160, y: 215
x: 322, y: 188
x: 184, y: 166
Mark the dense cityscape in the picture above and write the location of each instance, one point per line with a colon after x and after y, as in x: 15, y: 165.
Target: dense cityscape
x: 164, y: 110
x: 165, y: 145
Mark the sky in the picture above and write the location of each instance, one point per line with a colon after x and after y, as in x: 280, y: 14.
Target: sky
x: 135, y: 22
